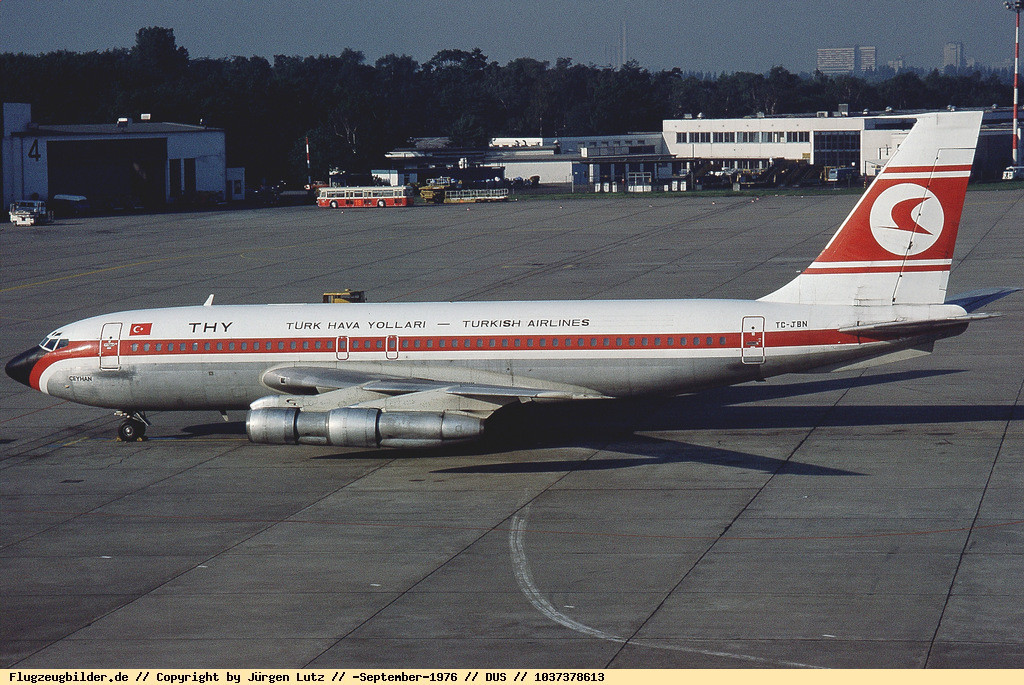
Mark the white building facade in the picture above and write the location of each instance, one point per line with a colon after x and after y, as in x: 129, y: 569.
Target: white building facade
x: 126, y: 163
x: 863, y: 143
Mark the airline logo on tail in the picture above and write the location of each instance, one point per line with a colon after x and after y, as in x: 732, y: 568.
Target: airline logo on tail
x: 896, y: 246
x: 906, y: 219
x: 906, y: 213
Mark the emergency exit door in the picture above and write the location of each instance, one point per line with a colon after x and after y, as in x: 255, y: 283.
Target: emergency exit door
x: 752, y: 340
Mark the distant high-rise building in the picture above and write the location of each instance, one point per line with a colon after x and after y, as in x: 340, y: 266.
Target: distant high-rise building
x: 953, y: 56
x: 855, y: 60
x: 866, y: 57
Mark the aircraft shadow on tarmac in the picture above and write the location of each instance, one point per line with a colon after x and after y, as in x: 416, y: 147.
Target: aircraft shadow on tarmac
x: 616, y: 425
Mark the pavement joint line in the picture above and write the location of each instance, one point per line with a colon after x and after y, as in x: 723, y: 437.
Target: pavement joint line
x: 71, y: 632
x: 498, y: 529
x: 524, y: 578
x: 34, y: 411
x: 973, y: 526
x: 722, y: 536
x: 403, y: 593
x: 82, y: 274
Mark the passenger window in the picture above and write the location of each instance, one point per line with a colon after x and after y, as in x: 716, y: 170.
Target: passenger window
x: 231, y: 346
x: 696, y: 341
x: 491, y: 342
x: 305, y: 344
x: 292, y: 345
x: 721, y: 341
x: 380, y: 344
x: 618, y: 342
x: 504, y: 342
x: 220, y: 345
x: 135, y: 347
x: 441, y: 343
x: 517, y: 343
x: 529, y: 342
x: 710, y: 341
x: 416, y: 344
x: 206, y: 347
x: 405, y: 344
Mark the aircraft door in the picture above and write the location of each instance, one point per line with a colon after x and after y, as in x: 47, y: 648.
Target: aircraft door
x: 391, y: 350
x: 342, y: 347
x: 752, y: 340
x: 110, y: 343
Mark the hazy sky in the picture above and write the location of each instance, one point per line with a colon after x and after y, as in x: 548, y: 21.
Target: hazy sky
x: 698, y: 35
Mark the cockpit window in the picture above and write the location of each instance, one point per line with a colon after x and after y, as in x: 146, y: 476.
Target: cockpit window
x: 51, y: 343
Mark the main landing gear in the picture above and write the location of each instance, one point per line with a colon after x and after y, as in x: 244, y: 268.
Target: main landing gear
x: 134, y: 427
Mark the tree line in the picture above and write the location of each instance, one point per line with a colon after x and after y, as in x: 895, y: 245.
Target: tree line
x: 354, y: 112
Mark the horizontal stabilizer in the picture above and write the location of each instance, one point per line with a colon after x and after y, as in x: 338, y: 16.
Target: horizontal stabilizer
x: 976, y: 299
x: 910, y: 328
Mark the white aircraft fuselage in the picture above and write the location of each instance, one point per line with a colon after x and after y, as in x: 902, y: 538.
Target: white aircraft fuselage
x: 227, y: 357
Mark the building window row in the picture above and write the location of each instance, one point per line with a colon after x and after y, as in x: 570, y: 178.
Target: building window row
x: 744, y: 137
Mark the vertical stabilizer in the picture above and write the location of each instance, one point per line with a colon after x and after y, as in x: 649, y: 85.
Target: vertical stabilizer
x: 896, y: 246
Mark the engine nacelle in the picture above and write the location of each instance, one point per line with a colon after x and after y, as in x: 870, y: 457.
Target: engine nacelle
x: 360, y: 427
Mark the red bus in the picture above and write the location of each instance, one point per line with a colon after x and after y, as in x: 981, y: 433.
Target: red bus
x: 365, y: 196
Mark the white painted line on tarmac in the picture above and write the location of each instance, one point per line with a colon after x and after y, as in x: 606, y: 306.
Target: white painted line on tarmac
x: 524, y: 578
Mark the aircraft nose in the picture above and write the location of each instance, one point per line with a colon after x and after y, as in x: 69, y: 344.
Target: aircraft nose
x: 20, y: 368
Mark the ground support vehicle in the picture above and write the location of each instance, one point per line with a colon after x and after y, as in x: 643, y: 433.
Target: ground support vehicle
x: 30, y: 213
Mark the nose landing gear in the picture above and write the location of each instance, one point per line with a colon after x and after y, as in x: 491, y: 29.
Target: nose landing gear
x: 134, y: 427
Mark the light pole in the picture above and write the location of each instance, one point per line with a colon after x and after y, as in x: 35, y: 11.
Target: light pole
x: 1015, y: 6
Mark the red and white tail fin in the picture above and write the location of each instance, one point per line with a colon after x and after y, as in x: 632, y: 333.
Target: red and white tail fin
x: 896, y: 246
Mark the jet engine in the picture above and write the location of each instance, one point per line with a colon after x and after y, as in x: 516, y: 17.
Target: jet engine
x: 360, y: 427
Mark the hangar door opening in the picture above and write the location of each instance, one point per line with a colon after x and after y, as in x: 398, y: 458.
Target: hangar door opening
x: 111, y: 173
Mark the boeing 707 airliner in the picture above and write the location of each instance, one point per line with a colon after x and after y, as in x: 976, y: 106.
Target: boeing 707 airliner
x: 417, y: 375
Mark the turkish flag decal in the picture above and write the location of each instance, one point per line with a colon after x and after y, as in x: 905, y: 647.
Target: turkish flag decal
x: 141, y: 328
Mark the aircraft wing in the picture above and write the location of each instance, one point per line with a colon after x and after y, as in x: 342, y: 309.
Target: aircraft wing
x: 324, y: 388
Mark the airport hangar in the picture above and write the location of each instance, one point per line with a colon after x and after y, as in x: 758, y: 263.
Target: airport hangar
x: 772, y: 150
x: 123, y: 164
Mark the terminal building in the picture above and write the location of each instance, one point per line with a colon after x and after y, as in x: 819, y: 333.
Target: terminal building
x: 787, y: 150
x: 122, y: 164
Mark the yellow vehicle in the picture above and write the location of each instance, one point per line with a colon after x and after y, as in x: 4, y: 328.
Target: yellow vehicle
x: 435, y: 189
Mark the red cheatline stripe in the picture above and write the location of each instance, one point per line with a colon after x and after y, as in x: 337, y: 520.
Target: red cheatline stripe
x: 800, y: 337
x: 926, y: 169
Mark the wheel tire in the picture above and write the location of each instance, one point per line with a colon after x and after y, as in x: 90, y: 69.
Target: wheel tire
x: 334, y: 204
x: 131, y: 431
x: 381, y: 203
